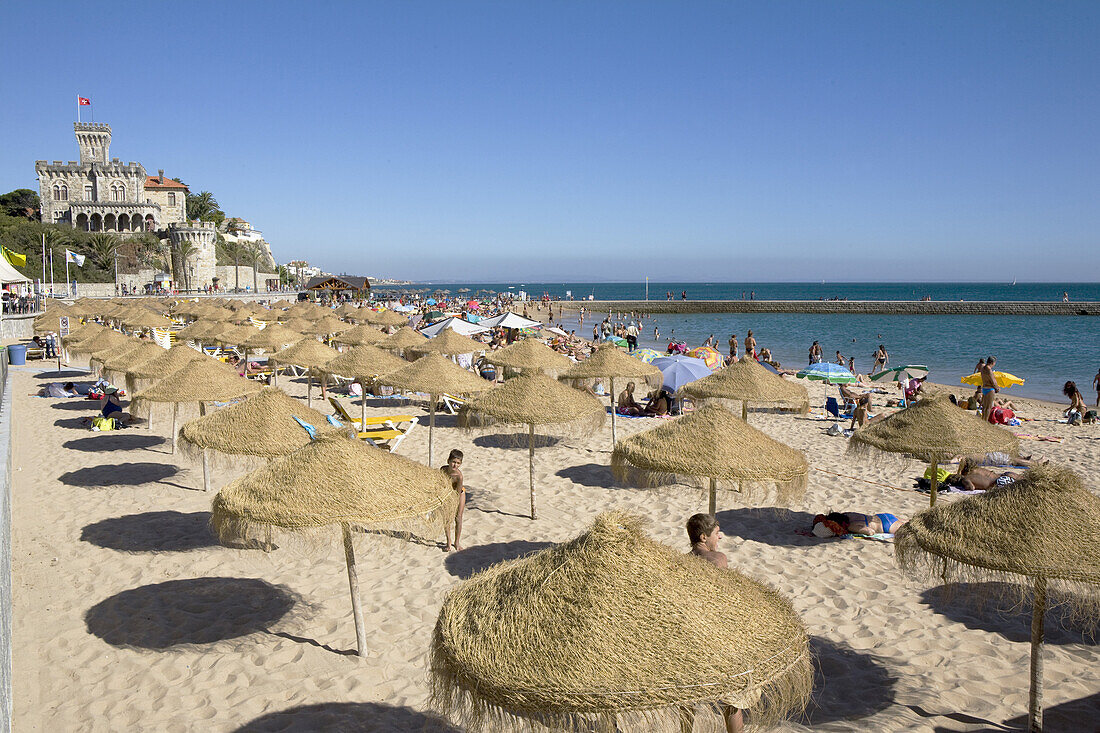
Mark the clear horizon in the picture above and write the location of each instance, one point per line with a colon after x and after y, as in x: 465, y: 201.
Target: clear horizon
x: 431, y: 141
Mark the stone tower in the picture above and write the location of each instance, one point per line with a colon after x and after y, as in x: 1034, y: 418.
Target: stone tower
x: 193, y: 257
x: 94, y: 139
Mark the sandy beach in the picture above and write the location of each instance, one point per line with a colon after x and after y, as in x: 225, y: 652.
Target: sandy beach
x: 130, y: 616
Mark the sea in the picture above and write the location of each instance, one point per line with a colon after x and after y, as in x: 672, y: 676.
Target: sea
x: 1046, y: 351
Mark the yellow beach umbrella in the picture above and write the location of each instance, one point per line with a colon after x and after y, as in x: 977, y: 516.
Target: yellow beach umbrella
x: 1004, y: 380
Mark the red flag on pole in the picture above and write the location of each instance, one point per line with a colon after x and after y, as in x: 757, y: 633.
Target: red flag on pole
x: 83, y: 101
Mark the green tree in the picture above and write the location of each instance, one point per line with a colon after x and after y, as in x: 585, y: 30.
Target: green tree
x: 204, y: 207
x: 21, y: 202
x: 102, y: 247
x: 254, y: 255
x: 185, y: 250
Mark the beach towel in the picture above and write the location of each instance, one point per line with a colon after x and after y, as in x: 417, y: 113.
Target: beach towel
x: 307, y: 427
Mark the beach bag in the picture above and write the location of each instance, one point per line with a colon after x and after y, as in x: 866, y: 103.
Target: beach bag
x: 941, y: 474
x: 101, y: 424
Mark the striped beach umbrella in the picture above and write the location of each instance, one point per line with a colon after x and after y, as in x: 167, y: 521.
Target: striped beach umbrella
x: 647, y: 355
x: 827, y: 372
x: 710, y: 356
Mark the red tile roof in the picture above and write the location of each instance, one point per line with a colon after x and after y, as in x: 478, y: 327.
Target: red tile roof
x: 154, y: 182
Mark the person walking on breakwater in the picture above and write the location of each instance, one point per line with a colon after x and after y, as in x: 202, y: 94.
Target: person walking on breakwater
x: 989, y: 387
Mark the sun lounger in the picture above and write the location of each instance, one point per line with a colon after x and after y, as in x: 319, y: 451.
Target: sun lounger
x: 388, y: 434
x: 451, y: 403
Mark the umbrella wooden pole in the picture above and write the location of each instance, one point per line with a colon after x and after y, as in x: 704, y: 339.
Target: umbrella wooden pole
x: 309, y: 389
x: 531, y: 463
x: 611, y: 380
x: 363, y: 405
x: 935, y: 483
x: 175, y: 413
x: 431, y: 427
x: 205, y: 471
x: 713, y: 496
x: 353, y: 581
x: 744, y: 410
x: 1035, y: 698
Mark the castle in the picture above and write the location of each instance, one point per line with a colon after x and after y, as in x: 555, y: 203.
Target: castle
x: 103, y: 194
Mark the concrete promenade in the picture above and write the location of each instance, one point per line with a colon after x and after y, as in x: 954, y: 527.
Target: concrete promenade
x: 883, y: 307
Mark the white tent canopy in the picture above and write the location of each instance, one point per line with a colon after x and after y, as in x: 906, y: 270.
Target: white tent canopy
x: 8, y: 273
x: 459, y: 326
x: 509, y: 320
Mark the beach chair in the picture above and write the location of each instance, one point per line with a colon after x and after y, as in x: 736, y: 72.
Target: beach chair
x: 832, y: 407
x: 403, y: 423
x: 388, y: 434
x: 451, y: 403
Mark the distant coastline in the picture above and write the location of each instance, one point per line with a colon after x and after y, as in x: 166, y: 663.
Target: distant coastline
x: 876, y: 307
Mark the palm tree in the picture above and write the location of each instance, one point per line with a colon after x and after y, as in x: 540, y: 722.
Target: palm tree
x: 102, y: 248
x: 253, y: 254
x: 185, y: 250
x: 202, y: 205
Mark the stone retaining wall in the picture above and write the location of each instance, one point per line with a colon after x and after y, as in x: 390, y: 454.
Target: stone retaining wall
x: 884, y: 307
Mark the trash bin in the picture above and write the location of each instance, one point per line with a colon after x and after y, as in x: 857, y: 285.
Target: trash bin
x: 17, y: 354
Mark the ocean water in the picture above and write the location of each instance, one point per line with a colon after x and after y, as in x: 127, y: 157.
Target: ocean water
x: 1045, y: 350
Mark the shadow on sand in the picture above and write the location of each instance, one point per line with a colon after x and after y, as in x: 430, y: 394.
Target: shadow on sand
x: 165, y: 531
x: 193, y: 611
x: 119, y: 474
x: 66, y: 374
x: 770, y: 525
x: 514, y: 441
x: 848, y: 685
x: 1076, y: 715
x: 474, y: 559
x: 74, y: 423
x: 114, y: 441
x: 597, y: 475
x: 361, y: 717
x: 982, y: 606
x: 78, y: 405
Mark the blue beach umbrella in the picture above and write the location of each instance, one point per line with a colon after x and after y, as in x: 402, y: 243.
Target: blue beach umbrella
x: 431, y: 301
x: 827, y: 372
x: 680, y: 370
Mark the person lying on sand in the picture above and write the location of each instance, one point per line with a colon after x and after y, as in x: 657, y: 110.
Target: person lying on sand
x: 53, y: 389
x: 835, y: 524
x: 971, y: 477
x: 704, y: 535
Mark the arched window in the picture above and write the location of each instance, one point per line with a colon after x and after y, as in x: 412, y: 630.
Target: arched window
x: 56, y: 192
x: 118, y: 192
x: 64, y: 193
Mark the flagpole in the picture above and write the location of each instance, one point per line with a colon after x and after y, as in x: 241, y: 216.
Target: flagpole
x: 78, y: 108
x: 51, y: 271
x: 67, y: 280
x: 43, y: 261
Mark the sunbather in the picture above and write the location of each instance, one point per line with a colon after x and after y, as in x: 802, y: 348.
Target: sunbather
x: 627, y: 405
x: 835, y: 524
x: 971, y: 477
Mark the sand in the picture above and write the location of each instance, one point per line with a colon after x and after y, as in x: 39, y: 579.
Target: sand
x: 128, y: 616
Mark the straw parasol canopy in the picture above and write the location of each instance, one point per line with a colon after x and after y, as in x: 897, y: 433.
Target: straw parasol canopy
x: 403, y: 338
x: 204, y: 380
x: 361, y: 335
x: 450, y: 343
x: 261, y: 427
x: 335, y: 481
x: 84, y: 331
x: 144, y: 352
x: 299, y: 325
x: 747, y: 381
x: 534, y: 399
x: 329, y: 323
x: 710, y: 443
x: 933, y: 430
x: 364, y: 363
x: 168, y: 363
x: 51, y: 319
x: 272, y: 338
x: 530, y: 355
x: 201, y: 331
x: 384, y: 318
x: 141, y: 317
x: 105, y: 339
x: 347, y: 310
x: 436, y: 375
x: 1011, y: 531
x: 236, y: 335
x: 310, y: 354
x: 609, y: 362
x: 608, y: 629
x: 111, y: 352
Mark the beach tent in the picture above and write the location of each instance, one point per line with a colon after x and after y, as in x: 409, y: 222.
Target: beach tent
x: 1009, y: 532
x: 710, y: 443
x: 9, y: 275
x: 533, y: 399
x: 335, y: 481
x: 458, y: 325
x: 607, y: 632
x: 509, y: 320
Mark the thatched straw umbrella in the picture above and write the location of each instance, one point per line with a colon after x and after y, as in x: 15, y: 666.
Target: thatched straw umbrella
x: 200, y: 331
x: 310, y: 354
x: 363, y: 364
x: 361, y: 335
x: 329, y: 324
x: 450, y: 343
x: 139, y: 376
x: 403, y: 338
x: 609, y: 628
x: 747, y: 381
x: 51, y: 319
x: 141, y: 317
x: 609, y: 362
x: 335, y: 481
x: 261, y: 427
x: 385, y: 318
x: 436, y: 375
x: 272, y: 338
x: 96, y: 360
x: 235, y: 335
x: 534, y: 399
x: 1016, y: 530
x: 202, y: 381
x: 298, y: 325
x: 347, y: 310
x: 933, y: 431
x: 108, y: 338
x: 145, y: 351
x: 710, y: 443
x: 530, y: 355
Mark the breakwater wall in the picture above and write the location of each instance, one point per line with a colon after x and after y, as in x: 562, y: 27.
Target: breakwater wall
x: 882, y: 307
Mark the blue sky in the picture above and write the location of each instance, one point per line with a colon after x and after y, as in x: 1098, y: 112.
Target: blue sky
x: 597, y: 140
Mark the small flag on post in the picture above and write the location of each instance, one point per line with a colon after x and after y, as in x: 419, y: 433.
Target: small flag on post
x: 83, y: 101
x: 74, y: 257
x: 15, y: 258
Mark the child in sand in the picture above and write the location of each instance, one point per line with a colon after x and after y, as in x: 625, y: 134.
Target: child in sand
x: 454, y: 462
